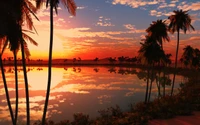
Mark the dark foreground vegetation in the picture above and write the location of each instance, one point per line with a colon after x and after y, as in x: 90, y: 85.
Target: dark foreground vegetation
x: 184, y: 102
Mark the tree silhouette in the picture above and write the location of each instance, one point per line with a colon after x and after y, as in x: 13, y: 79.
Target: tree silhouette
x: 150, y: 53
x: 121, y: 59
x: 191, y: 56
x: 179, y: 21
x: 158, y: 31
x: 188, y: 55
x: 71, y: 6
x: 112, y: 60
x: 16, y: 14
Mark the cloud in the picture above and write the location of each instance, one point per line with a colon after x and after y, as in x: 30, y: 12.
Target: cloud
x: 136, y: 3
x: 103, y: 21
x: 81, y: 8
x: 189, y: 6
x: 160, y: 13
x: 133, y: 29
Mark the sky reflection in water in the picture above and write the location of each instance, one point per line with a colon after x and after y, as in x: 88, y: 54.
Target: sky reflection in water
x: 73, y: 90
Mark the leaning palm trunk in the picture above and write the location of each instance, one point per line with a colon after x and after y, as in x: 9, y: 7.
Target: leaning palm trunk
x: 175, y: 62
x: 6, y: 90
x: 25, y: 81
x: 16, y: 86
x: 49, y: 64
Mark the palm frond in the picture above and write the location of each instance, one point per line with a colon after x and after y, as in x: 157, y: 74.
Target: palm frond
x: 26, y: 37
x: 180, y: 20
x: 4, y: 43
x: 39, y: 3
x: 71, y: 6
x: 32, y: 9
x: 26, y: 50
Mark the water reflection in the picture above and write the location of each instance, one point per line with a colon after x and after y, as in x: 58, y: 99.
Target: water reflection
x: 78, y: 89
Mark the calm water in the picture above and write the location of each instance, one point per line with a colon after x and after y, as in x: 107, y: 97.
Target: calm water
x: 75, y: 89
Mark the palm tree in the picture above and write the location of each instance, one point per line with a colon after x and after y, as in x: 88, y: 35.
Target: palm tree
x: 188, y: 54
x: 181, y: 20
x: 27, y: 38
x: 158, y: 30
x: 150, y: 53
x: 191, y: 56
x: 5, y: 83
x: 23, y: 12
x: 71, y: 6
x: 18, y: 13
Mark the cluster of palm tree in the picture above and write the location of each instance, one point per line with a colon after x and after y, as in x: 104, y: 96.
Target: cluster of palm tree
x: 191, y: 57
x: 16, y: 14
x: 151, y: 51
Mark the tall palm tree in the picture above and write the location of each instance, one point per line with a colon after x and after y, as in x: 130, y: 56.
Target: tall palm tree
x: 4, y: 12
x: 17, y: 14
x: 158, y: 30
x: 5, y: 83
x: 71, y: 6
x: 25, y: 37
x: 150, y: 53
x: 24, y: 10
x: 181, y: 20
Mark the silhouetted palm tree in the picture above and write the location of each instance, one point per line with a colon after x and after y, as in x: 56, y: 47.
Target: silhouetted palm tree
x: 191, y: 56
x: 71, y: 6
x: 121, y: 59
x: 158, y: 30
x: 17, y: 13
x: 27, y: 38
x: 179, y: 21
x: 5, y: 83
x: 150, y: 53
x: 188, y: 54
x: 112, y: 60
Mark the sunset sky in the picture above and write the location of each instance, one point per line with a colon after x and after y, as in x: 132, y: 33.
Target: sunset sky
x: 109, y: 28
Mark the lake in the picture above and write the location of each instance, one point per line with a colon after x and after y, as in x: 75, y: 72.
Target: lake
x: 76, y: 89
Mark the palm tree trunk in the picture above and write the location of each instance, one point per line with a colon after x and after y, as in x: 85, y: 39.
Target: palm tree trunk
x: 6, y: 90
x: 175, y: 61
x: 151, y: 84
x: 164, y: 83
x: 16, y: 86
x: 50, y: 62
x: 25, y: 82
x: 158, y: 84
x: 147, y: 87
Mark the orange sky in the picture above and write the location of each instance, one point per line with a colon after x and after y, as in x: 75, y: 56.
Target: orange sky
x: 107, y: 29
